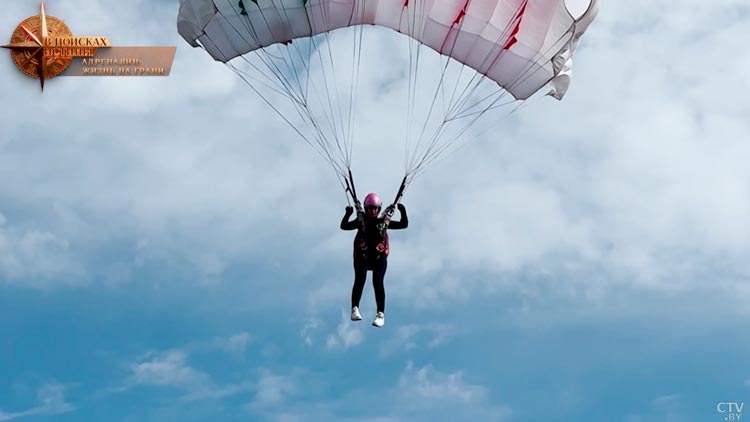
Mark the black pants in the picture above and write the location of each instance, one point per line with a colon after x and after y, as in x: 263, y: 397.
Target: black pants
x: 378, y: 267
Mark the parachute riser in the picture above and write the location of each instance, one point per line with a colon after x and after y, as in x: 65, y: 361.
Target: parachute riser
x: 392, y: 208
x: 353, y: 192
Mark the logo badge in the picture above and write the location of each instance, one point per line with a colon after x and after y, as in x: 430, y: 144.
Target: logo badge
x: 43, y: 47
x: 732, y: 411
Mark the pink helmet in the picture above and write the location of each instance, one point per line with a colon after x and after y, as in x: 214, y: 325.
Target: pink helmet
x: 373, y: 200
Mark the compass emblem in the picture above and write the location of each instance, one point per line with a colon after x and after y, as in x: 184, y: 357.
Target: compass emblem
x: 43, y: 47
x: 30, y: 50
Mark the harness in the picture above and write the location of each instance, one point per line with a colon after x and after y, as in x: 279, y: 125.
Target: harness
x: 382, y: 247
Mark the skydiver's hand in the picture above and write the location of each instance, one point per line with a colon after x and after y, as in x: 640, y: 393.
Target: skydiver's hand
x: 349, y: 209
x: 389, y: 209
x: 401, y: 207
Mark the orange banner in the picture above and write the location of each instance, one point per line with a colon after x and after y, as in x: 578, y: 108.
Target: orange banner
x: 124, y: 61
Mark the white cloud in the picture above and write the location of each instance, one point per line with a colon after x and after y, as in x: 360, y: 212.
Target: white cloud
x: 219, y: 392
x: 273, y: 389
x: 329, y: 291
x: 311, y: 326
x: 426, y: 383
x: 235, y: 345
x: 416, y: 336
x: 169, y: 369
x: 348, y: 334
x: 416, y: 394
x: 51, y: 399
x: 663, y: 408
x: 172, y: 368
x: 639, y: 176
x: 37, y: 254
x: 635, y: 176
x: 429, y: 394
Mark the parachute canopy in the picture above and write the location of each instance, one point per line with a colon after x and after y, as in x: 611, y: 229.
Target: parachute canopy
x: 513, y: 47
x: 520, y: 44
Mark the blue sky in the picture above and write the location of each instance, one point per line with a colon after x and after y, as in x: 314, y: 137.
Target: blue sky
x: 170, y: 251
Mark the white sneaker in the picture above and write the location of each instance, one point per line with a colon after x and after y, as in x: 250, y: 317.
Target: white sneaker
x: 356, y: 316
x: 379, y: 320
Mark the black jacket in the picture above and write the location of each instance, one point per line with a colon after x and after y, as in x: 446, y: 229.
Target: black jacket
x: 372, y: 234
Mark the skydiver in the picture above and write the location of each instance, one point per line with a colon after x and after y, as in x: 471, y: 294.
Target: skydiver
x: 371, y: 250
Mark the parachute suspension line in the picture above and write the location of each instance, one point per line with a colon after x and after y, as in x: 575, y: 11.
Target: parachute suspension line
x: 477, y: 79
x: 415, y: 31
x: 453, y: 30
x: 524, y: 103
x: 446, y: 145
x: 289, y: 65
x: 414, y: 56
x: 495, y: 92
x: 523, y: 76
x: 354, y: 85
x: 409, y: 103
x: 358, y: 32
x: 354, y: 88
x: 411, y: 100
x: 300, y: 104
x: 282, y: 82
x: 302, y: 92
x: 414, y: 15
x: 244, y: 77
x: 492, y: 104
x: 438, y: 133
x: 347, y: 133
x: 325, y: 12
x: 266, y: 58
x: 520, y: 104
x: 451, y: 142
x: 421, y: 11
x: 455, y: 88
x: 441, y: 86
x: 268, y: 84
x: 433, y: 150
x: 330, y: 118
x: 560, y: 43
x: 300, y: 107
x: 323, y: 154
x: 303, y: 105
x: 302, y: 60
x: 437, y: 90
x: 456, y: 107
